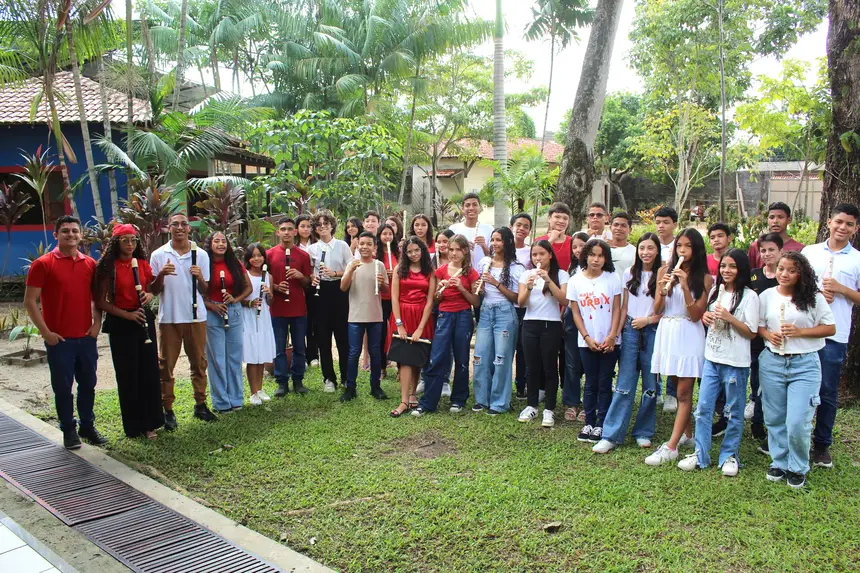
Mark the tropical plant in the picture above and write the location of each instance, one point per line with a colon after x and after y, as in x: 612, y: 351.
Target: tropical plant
x: 28, y: 331
x: 97, y: 234
x: 149, y: 208
x: 37, y: 170
x: 13, y: 204
x: 526, y: 179
x: 222, y: 206
x: 30, y: 257
x: 500, y: 142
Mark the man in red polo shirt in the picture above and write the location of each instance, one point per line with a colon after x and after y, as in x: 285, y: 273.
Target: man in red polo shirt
x: 289, y: 318
x: 558, y: 219
x: 69, y: 323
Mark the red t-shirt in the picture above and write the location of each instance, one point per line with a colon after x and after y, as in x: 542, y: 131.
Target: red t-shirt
x: 755, y: 256
x: 67, y: 296
x: 124, y: 293
x: 452, y: 299
x: 713, y: 265
x: 386, y: 295
x: 276, y: 258
x: 562, y: 250
x: 215, y: 281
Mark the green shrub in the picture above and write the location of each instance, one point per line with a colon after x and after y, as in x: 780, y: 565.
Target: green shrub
x: 640, y: 229
x: 805, y: 232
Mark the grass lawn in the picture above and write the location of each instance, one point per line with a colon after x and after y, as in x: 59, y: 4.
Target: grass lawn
x: 360, y: 491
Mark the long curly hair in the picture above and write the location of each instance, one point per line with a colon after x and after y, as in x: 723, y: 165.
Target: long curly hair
x: 105, y: 267
x: 742, y: 281
x: 608, y: 265
x: 509, y: 254
x: 698, y: 264
x: 636, y: 270
x: 381, y: 250
x: 233, y: 264
x: 553, y: 263
x: 806, y: 288
x: 426, y: 265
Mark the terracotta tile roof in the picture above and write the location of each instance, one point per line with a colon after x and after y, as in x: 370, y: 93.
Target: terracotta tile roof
x: 447, y: 172
x: 15, y: 102
x: 552, y: 151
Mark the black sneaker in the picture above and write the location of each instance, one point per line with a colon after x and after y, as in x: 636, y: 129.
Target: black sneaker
x: 585, y: 433
x: 775, y: 474
x: 796, y: 481
x: 521, y: 394
x: 92, y: 436
x: 170, y: 421
x: 299, y: 388
x: 763, y: 448
x: 379, y: 394
x: 719, y: 428
x: 348, y: 394
x: 492, y: 412
x: 478, y: 407
x: 283, y: 390
x: 227, y: 411
x: 71, y: 440
x: 821, y: 456
x: 201, y: 412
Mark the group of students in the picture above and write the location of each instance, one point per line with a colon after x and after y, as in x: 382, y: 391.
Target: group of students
x: 558, y: 308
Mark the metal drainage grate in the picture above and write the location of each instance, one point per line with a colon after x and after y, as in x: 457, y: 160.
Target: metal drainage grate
x: 139, y: 532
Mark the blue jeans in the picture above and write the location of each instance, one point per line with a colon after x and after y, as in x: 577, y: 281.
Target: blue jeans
x: 494, y: 355
x: 832, y: 357
x: 451, y: 338
x: 789, y: 393
x: 733, y: 381
x: 70, y: 360
x: 356, y: 331
x: 571, y: 391
x: 599, y: 368
x: 637, y: 347
x: 224, y: 356
x: 294, y: 328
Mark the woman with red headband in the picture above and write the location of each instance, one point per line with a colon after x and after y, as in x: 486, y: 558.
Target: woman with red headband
x: 131, y: 330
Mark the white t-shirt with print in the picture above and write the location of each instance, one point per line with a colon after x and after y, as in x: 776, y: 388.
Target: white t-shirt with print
x: 639, y: 304
x: 724, y: 344
x: 542, y: 306
x: 770, y: 301
x: 492, y: 295
x: 595, y: 298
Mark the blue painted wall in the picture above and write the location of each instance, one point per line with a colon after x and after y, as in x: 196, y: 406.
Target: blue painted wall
x: 14, y: 139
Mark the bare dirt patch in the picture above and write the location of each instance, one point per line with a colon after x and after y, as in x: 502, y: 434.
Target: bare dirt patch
x: 426, y: 446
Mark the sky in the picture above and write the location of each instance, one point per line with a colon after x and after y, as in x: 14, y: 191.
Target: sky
x: 568, y: 63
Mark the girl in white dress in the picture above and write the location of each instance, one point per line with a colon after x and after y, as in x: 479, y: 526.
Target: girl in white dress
x: 679, y: 347
x: 259, y: 342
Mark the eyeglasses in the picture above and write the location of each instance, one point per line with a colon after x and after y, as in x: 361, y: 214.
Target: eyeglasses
x: 128, y: 240
x: 323, y: 224
x: 179, y: 225
x: 595, y: 215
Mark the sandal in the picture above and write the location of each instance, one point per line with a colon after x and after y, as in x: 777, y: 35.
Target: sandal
x: 413, y: 405
x: 572, y: 413
x: 397, y: 412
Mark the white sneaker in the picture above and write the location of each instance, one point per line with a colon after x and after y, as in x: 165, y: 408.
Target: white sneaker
x: 749, y: 410
x: 603, y: 447
x: 689, y: 463
x: 263, y: 396
x: 329, y: 387
x: 528, y: 414
x: 686, y: 442
x: 548, y: 419
x: 446, y: 390
x: 541, y: 395
x: 643, y: 442
x: 315, y: 363
x: 670, y: 404
x: 662, y: 455
x: 455, y: 409
x: 256, y: 400
x: 420, y: 388
x: 730, y: 467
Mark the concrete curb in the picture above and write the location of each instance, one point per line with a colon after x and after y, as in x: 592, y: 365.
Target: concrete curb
x: 278, y: 555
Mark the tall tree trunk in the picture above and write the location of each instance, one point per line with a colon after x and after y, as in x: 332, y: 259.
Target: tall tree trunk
x: 500, y: 145
x: 58, y: 138
x: 85, y: 128
x: 842, y: 166
x: 180, y: 55
x: 114, y: 200
x: 723, y: 135
x: 150, y: 51
x: 129, y: 89
x: 545, y: 117
x: 409, y: 139
x: 214, y: 63
x: 577, y: 165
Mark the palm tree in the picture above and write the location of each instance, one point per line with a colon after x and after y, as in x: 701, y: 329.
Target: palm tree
x: 114, y: 202
x: 500, y: 145
x: 180, y: 52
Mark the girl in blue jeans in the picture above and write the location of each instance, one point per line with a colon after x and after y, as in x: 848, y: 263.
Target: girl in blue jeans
x: 794, y: 320
x: 637, y: 346
x: 454, y: 327
x: 732, y: 321
x: 595, y: 300
x: 497, y: 325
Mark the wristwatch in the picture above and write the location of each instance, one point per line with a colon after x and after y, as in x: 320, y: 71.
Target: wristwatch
x: 398, y: 322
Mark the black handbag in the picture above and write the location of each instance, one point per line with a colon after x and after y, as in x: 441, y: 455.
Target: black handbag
x: 408, y: 352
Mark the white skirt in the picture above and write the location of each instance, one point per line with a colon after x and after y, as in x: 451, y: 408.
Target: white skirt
x: 679, y: 348
x: 259, y: 336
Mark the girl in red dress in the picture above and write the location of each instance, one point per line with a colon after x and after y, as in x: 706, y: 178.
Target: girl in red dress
x: 412, y: 304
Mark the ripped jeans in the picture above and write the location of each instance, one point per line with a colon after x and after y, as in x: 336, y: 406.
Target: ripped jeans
x: 495, y: 343
x: 789, y: 396
x: 716, y: 378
